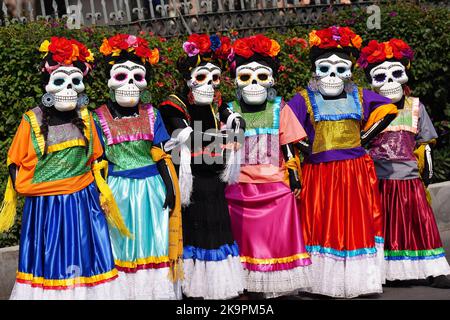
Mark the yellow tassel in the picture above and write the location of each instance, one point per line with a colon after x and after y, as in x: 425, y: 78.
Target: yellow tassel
x: 8, y: 208
x: 107, y: 201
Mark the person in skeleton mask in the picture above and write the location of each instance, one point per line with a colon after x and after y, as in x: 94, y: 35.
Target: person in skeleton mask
x: 141, y: 176
x: 212, y: 269
x: 263, y: 205
x: 413, y: 248
x: 340, y: 203
x: 65, y: 250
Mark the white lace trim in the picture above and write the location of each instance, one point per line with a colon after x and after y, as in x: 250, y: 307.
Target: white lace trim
x: 112, y: 290
x: 149, y: 284
x: 416, y: 269
x: 347, y: 278
x: 213, y: 279
x: 278, y: 283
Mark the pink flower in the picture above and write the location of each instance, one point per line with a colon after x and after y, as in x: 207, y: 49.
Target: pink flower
x: 132, y: 41
x: 190, y: 48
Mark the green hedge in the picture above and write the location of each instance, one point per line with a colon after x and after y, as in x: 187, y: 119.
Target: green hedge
x: 426, y: 29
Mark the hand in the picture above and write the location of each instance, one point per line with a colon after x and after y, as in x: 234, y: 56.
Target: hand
x: 297, y: 193
x: 170, y: 200
x: 294, y: 183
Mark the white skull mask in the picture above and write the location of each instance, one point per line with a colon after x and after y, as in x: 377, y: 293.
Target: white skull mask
x: 388, y: 78
x: 128, y: 81
x: 253, y: 80
x: 65, y: 84
x: 204, y: 80
x: 333, y: 72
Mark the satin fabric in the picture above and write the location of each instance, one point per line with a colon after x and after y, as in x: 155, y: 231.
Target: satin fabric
x: 340, y: 206
x: 410, y: 224
x: 65, y: 236
x: 266, y: 225
x: 140, y: 202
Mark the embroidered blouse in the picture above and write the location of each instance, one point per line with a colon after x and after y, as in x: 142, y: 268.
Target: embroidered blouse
x: 65, y: 168
x: 334, y: 127
x: 262, y: 160
x: 127, y: 141
x: 393, y: 149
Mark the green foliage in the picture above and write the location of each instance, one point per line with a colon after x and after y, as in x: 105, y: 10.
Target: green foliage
x: 426, y: 29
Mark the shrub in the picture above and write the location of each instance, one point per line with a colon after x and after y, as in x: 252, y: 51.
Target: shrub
x: 424, y: 28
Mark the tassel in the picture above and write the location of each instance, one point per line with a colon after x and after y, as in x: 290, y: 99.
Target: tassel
x: 8, y: 208
x: 232, y: 169
x: 186, y: 179
x: 107, y: 201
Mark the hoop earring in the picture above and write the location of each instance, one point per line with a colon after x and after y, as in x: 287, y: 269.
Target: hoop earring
x: 48, y: 100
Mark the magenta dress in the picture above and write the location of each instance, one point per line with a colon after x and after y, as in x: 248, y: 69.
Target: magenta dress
x: 264, y: 212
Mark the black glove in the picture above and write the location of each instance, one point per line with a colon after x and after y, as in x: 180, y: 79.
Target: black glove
x: 294, y: 181
x: 305, y: 147
x: 12, y: 168
x: 427, y: 174
x: 374, y: 130
x: 165, y: 175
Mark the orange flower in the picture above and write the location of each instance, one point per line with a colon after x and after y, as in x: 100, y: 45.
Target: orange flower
x: 154, y: 56
x: 314, y: 40
x: 105, y: 48
x: 388, y: 50
x: 274, y: 49
x: 74, y: 56
x: 357, y: 41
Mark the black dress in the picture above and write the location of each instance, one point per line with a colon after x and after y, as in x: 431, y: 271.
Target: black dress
x: 211, y: 257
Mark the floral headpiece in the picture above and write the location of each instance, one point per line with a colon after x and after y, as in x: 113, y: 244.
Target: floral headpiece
x: 213, y: 47
x: 377, y: 52
x: 334, y: 37
x: 258, y: 44
x: 126, y: 43
x: 60, y: 51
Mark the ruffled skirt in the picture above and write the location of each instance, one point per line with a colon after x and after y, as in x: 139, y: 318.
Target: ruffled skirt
x: 65, y: 250
x: 342, y: 226
x: 413, y: 247
x: 266, y: 225
x: 143, y: 260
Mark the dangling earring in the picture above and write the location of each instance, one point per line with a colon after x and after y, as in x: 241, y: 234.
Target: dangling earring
x: 238, y: 94
x: 406, y: 90
x: 82, y: 100
x: 48, y: 100
x: 191, y: 98
x: 348, y: 86
x: 314, y: 83
x: 145, y: 97
x: 112, y: 95
x: 271, y: 94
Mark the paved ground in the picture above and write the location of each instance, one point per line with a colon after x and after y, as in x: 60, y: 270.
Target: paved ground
x: 412, y: 292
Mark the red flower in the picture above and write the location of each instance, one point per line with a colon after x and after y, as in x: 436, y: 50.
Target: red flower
x: 202, y: 41
x: 225, y: 48
x: 62, y: 50
x: 398, y: 48
x: 83, y: 52
x: 261, y: 44
x: 326, y: 37
x: 374, y: 52
x: 143, y: 52
x: 242, y: 48
x: 119, y: 42
x: 346, y: 34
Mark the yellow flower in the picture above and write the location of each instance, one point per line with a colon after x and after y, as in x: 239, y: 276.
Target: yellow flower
x: 116, y: 52
x: 44, y: 46
x: 388, y: 50
x: 274, y: 49
x: 314, y: 40
x: 154, y: 57
x: 105, y: 48
x: 90, y: 58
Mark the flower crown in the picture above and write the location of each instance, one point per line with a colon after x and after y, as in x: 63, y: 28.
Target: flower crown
x: 65, y: 52
x: 376, y: 52
x: 258, y: 44
x: 204, y: 45
x: 132, y: 44
x: 334, y: 37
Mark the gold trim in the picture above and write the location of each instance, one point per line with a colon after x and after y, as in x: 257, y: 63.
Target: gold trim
x: 275, y: 260
x: 36, y: 129
x: 65, y: 145
x: 141, y: 261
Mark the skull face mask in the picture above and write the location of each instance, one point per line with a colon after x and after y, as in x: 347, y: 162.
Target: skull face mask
x: 65, y: 84
x: 253, y: 80
x: 204, y: 80
x: 388, y: 78
x: 332, y: 73
x: 127, y: 80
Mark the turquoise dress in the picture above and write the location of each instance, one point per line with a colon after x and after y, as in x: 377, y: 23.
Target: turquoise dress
x: 143, y: 259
